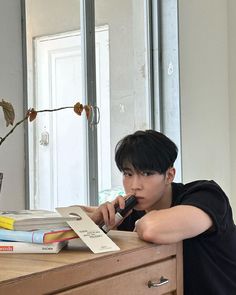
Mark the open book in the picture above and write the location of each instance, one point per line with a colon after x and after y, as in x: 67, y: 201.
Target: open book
x: 33, y: 219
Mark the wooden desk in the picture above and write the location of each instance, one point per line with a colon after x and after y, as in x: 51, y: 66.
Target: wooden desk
x: 76, y: 270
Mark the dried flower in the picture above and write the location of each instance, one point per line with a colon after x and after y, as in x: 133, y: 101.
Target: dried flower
x: 78, y: 108
x: 32, y: 114
x: 88, y: 111
x: 8, y: 112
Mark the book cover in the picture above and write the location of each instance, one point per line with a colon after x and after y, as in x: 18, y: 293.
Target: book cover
x: 38, y: 236
x: 32, y: 219
x: 21, y: 247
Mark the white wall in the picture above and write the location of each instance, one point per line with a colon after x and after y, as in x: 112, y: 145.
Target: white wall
x: 204, y: 80
x: 232, y: 93
x: 12, y: 150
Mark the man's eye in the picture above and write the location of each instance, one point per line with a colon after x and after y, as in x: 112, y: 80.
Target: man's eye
x: 126, y: 173
x: 147, y: 173
x: 144, y: 173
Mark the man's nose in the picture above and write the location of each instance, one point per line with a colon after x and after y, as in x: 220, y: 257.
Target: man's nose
x: 136, y: 183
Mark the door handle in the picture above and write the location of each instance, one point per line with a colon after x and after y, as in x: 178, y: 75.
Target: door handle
x: 161, y: 282
x: 44, y: 140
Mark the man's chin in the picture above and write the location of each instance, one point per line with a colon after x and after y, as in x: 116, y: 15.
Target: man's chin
x: 139, y: 208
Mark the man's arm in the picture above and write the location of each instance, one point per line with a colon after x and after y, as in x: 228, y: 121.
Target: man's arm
x: 172, y: 225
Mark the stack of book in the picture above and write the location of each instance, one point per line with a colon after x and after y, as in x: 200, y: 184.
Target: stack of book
x: 34, y: 231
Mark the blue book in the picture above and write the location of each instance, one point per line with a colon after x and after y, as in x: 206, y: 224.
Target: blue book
x: 38, y: 236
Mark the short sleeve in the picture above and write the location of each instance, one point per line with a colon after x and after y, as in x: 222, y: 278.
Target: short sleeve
x: 210, y: 198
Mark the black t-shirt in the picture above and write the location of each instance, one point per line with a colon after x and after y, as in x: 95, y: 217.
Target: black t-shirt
x: 209, y: 258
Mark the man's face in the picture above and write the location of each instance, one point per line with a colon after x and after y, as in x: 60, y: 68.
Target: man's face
x: 148, y: 186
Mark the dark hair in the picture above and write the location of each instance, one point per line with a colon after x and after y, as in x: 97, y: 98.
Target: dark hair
x: 146, y: 150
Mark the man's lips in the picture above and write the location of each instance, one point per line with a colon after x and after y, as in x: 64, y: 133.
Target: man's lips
x: 139, y: 198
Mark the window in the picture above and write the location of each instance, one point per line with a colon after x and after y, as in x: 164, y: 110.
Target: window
x: 129, y: 87
x: 133, y: 47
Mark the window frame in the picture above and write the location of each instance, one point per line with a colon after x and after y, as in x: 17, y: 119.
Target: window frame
x: 87, y: 14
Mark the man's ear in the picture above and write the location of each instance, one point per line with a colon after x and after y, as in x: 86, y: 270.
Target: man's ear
x: 170, y: 175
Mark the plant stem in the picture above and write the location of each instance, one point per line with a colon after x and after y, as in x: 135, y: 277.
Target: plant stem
x: 2, y: 139
x: 53, y: 110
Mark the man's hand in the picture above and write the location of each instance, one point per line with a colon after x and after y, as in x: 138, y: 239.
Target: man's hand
x: 105, y: 213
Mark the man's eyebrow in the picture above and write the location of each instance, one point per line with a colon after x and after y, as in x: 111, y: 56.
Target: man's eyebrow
x: 126, y: 169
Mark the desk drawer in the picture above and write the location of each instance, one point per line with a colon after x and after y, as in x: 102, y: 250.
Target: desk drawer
x: 134, y: 282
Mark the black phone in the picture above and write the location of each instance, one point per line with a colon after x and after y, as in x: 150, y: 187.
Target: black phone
x: 130, y: 202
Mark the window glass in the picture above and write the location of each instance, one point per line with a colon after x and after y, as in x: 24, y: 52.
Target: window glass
x: 122, y: 80
x: 57, y: 141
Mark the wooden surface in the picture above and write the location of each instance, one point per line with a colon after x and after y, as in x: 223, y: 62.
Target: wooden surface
x: 76, y: 270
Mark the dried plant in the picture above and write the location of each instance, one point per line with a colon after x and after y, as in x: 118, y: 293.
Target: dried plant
x: 9, y: 114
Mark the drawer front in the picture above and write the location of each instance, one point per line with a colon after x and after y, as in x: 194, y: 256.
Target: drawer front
x: 134, y: 282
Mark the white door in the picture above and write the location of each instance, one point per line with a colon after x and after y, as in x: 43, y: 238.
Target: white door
x: 58, y: 155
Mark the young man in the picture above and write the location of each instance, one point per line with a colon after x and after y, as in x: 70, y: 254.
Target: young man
x: 198, y: 213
